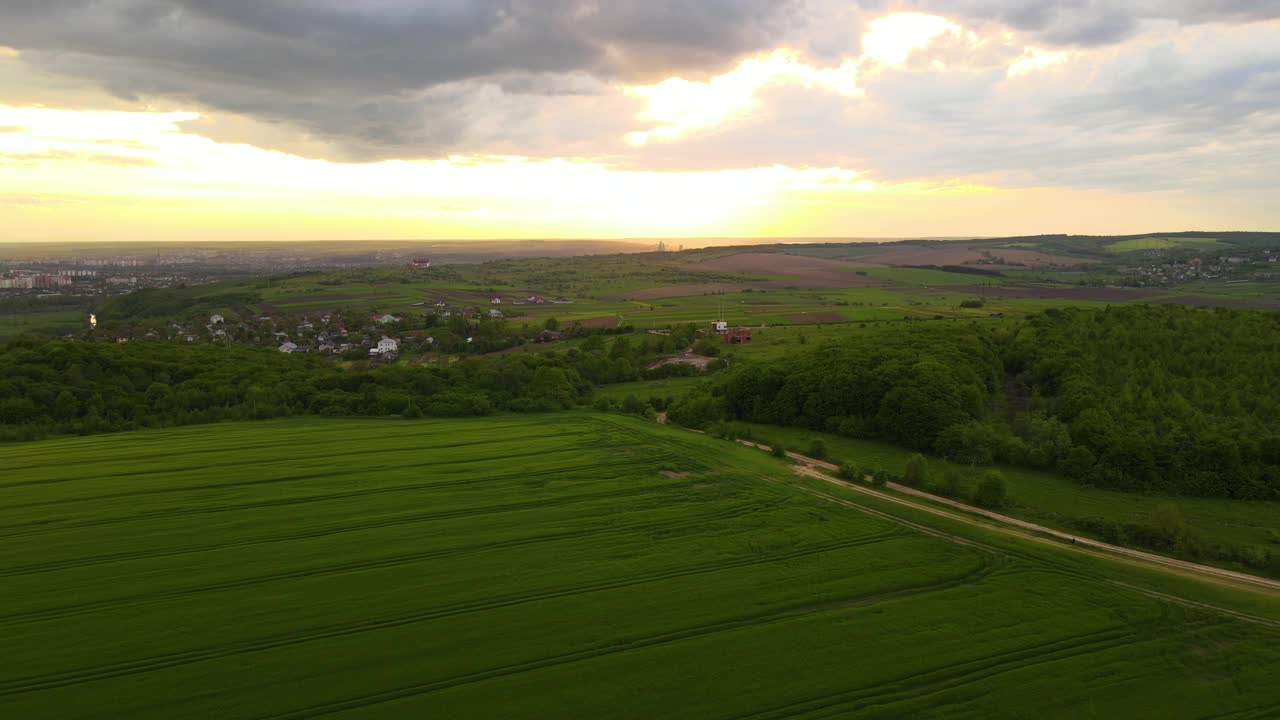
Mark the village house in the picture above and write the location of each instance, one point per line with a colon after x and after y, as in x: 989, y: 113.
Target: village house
x: 386, y: 345
x: 383, y: 319
x: 288, y: 347
x: 216, y: 319
x: 495, y: 301
x: 495, y: 313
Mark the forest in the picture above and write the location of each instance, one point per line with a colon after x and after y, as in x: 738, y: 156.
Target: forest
x: 1170, y: 399
x: 52, y: 387
x: 1148, y: 397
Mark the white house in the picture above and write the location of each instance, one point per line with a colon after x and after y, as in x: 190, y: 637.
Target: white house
x: 216, y: 319
x: 495, y: 313
x: 496, y: 301
x: 288, y: 347
x: 384, y: 319
x: 388, y: 345
x: 721, y: 326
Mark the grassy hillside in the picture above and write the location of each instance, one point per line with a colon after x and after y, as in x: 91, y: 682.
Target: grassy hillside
x: 568, y: 565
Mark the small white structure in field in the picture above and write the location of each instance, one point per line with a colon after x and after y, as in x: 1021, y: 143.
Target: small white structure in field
x: 216, y: 319
x: 495, y: 301
x: 288, y: 347
x: 720, y: 326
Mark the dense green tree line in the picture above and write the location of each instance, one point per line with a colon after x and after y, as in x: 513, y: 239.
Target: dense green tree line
x: 908, y: 386
x: 1161, y: 398
x: 57, y: 386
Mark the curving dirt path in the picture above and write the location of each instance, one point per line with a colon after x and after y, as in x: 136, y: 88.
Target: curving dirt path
x: 1039, y: 533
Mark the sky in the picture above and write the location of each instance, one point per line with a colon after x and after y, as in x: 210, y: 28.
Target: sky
x: 430, y: 119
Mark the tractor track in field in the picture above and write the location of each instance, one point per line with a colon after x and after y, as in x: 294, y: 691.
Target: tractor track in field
x: 36, y: 683
x: 51, y: 613
x: 170, y: 470
x: 172, y: 489
x: 44, y: 526
x: 202, y: 450
x: 791, y: 612
x: 1254, y: 619
x: 1008, y: 525
x: 74, y: 563
x: 953, y: 676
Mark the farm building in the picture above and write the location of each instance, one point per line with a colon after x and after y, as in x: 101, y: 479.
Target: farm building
x: 288, y: 347
x: 420, y: 263
x: 737, y: 336
x: 720, y: 326
x: 216, y: 319
x: 383, y: 319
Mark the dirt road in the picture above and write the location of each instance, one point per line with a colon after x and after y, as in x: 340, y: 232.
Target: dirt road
x: 1039, y: 533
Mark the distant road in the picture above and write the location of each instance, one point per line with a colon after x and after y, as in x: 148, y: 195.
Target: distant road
x: 810, y: 467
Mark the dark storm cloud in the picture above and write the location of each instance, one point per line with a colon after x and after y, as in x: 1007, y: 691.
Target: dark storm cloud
x: 385, y: 77
x: 373, y: 79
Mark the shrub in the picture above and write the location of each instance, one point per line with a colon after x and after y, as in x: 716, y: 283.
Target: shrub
x: 991, y: 491
x: 632, y: 405
x: 817, y: 449
x: 778, y: 450
x: 952, y: 483
x: 917, y: 473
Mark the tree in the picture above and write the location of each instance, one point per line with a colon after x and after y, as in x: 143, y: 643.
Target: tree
x: 952, y: 483
x: 551, y: 324
x: 66, y: 406
x: 778, y: 450
x: 621, y: 348
x: 817, y: 449
x: 991, y: 491
x: 880, y: 477
x: 917, y: 472
x: 631, y: 405
x: 411, y: 411
x: 551, y: 385
x: 1079, y: 462
x: 849, y: 471
x: 1168, y: 525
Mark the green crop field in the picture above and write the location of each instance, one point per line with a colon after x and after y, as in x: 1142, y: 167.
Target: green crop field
x: 44, y: 322
x: 570, y: 566
x: 1160, y: 243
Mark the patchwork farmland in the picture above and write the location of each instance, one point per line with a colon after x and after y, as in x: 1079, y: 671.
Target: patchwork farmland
x: 513, y: 567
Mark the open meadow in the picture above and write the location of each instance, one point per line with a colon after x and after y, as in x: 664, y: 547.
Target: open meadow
x: 564, y: 565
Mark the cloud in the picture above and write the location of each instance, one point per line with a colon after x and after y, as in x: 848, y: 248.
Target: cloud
x: 1099, y: 22
x: 59, y: 155
x: 388, y: 78
x: 1088, y: 93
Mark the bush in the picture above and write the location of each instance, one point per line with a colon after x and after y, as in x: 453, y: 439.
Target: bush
x: 631, y: 405
x: 849, y: 471
x: 778, y: 450
x: 880, y: 477
x: 952, y: 483
x: 917, y: 473
x: 817, y: 449
x: 991, y: 491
